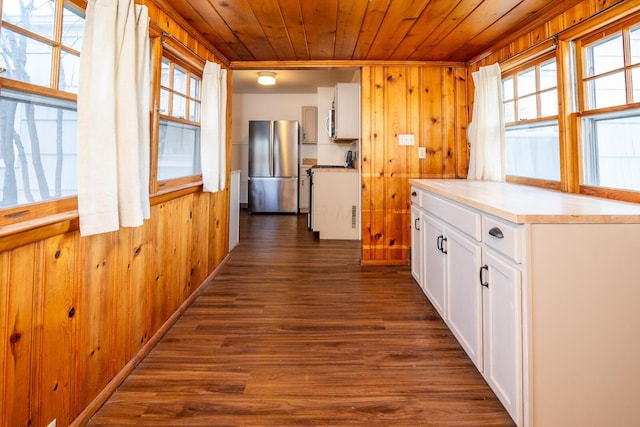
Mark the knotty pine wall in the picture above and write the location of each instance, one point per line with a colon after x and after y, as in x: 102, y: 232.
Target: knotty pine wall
x: 513, y: 45
x: 78, y: 313
x: 429, y: 101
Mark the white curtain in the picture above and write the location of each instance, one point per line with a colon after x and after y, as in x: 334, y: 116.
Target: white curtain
x: 113, y: 117
x: 213, y: 127
x: 486, y: 132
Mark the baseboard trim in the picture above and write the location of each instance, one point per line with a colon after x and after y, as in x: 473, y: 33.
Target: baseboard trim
x: 115, y: 382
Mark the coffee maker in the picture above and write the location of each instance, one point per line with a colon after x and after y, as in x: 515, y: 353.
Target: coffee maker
x: 349, y: 159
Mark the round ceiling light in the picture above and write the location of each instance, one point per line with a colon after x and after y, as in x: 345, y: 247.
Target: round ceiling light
x: 266, y: 78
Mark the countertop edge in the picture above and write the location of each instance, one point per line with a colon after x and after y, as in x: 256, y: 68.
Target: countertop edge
x: 500, y: 199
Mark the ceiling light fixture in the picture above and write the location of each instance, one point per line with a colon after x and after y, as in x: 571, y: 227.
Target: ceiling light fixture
x: 266, y: 78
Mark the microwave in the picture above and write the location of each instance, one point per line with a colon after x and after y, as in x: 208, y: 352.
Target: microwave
x: 331, y: 122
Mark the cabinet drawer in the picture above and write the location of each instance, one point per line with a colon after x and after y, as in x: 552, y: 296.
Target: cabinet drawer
x: 503, y: 237
x: 416, y: 197
x: 462, y: 218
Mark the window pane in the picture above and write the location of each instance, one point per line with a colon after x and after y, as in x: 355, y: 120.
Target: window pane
x: 635, y: 77
x: 194, y: 88
x: 179, y: 107
x: 507, y: 88
x: 526, y: 82
x: 178, y: 150
x: 72, y: 28
x: 527, y: 108
x: 548, y: 75
x: 179, y: 80
x: 37, y: 17
x: 612, y: 152
x: 194, y: 111
x: 533, y: 151
x: 635, y: 45
x: 549, y: 103
x: 69, y: 72
x: 165, y: 72
x: 605, y: 55
x: 509, y: 112
x: 607, y: 91
x: 40, y: 163
x: 25, y: 59
x: 164, y: 101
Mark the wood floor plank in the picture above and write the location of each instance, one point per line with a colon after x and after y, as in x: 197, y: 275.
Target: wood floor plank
x: 293, y: 331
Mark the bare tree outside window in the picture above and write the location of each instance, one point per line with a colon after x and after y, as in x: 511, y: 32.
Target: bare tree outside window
x: 37, y: 132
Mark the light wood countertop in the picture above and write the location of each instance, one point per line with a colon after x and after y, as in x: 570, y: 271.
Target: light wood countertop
x: 531, y: 205
x: 340, y: 170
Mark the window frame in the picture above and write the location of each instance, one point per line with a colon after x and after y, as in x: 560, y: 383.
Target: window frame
x: 165, y: 46
x: 584, y: 111
x: 29, y: 215
x: 536, y: 59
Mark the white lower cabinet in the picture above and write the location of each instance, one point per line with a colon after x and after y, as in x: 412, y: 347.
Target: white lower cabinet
x: 434, y: 261
x: 463, y: 314
x: 450, y: 258
x: 541, y: 288
x: 417, y: 246
x: 502, y: 330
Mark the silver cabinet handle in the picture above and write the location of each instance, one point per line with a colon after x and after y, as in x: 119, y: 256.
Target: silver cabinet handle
x: 496, y: 232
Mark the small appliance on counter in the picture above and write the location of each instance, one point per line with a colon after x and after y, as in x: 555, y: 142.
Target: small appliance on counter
x: 349, y: 159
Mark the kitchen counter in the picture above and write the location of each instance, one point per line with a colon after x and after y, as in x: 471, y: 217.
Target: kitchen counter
x: 531, y: 205
x: 335, y: 206
x: 542, y: 290
x: 336, y: 169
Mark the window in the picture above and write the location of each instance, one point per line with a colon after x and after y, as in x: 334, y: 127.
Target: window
x: 39, y: 55
x: 179, y: 136
x: 530, y: 96
x: 609, y: 110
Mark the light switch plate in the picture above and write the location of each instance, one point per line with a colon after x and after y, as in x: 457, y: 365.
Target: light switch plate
x: 405, y: 139
x: 422, y: 152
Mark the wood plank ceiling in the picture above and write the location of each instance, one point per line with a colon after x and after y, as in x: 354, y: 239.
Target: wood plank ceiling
x: 359, y: 30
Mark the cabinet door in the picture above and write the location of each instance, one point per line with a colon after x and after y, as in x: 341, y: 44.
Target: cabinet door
x: 433, y: 280
x: 416, y: 245
x: 502, y: 301
x: 309, y: 125
x: 304, y: 189
x: 464, y: 294
x: 347, y: 106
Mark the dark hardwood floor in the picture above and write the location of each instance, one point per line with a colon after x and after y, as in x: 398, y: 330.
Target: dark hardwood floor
x: 293, y: 331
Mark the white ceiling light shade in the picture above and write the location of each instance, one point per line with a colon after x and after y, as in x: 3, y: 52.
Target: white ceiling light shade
x: 266, y: 78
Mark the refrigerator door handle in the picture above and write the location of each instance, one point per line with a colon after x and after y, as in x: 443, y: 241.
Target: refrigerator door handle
x: 272, y: 136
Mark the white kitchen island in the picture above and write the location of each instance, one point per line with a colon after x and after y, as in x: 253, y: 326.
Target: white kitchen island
x: 542, y: 289
x: 335, y: 203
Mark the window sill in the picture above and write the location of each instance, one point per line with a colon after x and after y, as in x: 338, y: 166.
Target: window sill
x: 25, y: 232
x: 33, y: 230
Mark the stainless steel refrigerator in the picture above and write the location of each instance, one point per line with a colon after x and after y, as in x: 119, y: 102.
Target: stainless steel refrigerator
x: 273, y: 166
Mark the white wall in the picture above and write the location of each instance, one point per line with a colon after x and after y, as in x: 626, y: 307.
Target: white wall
x: 248, y: 107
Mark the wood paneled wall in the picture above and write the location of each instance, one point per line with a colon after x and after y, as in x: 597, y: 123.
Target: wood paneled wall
x: 77, y: 312
x: 428, y: 101
x: 511, y: 46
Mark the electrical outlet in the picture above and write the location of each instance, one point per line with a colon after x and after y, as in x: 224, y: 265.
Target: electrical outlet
x: 405, y: 139
x: 422, y: 152
x: 53, y: 423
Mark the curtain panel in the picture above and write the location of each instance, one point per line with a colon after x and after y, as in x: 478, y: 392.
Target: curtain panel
x: 486, y: 131
x: 213, y: 127
x: 113, y: 117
